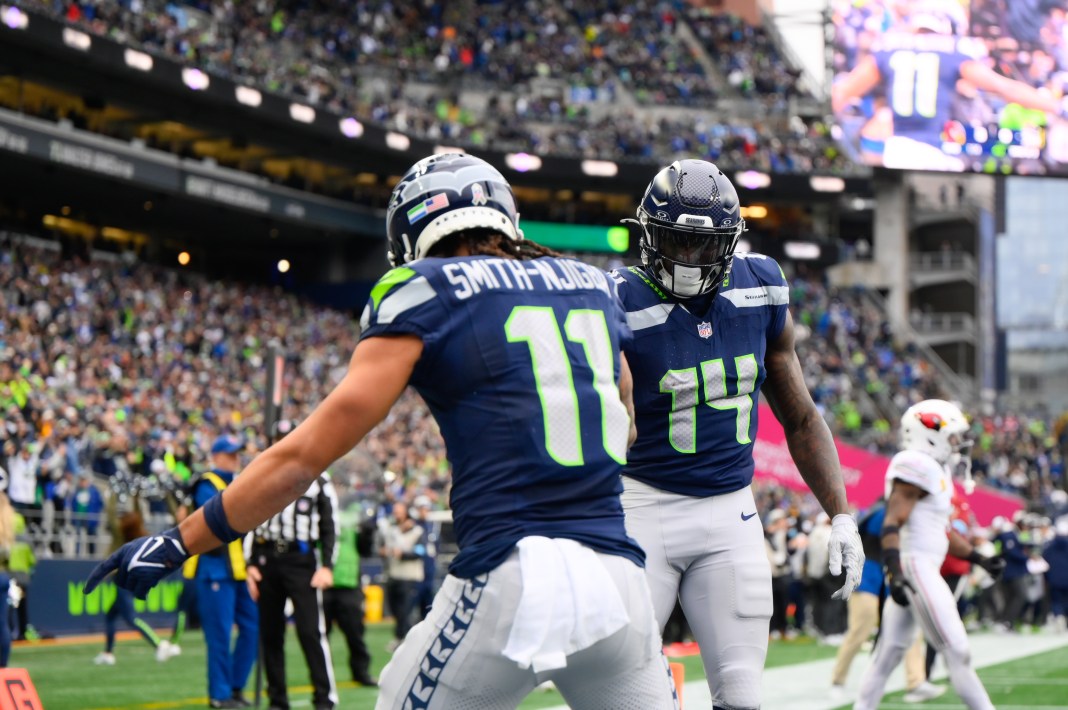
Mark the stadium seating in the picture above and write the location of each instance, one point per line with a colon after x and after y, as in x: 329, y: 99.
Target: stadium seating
x: 379, y: 63
x: 126, y: 370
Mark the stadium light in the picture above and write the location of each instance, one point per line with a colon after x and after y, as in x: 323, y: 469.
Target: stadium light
x: 138, y: 60
x: 248, y: 96
x: 350, y: 127
x: 184, y: 258
x: 76, y: 39
x: 754, y: 211
x: 398, y: 141
x: 438, y: 149
x: 522, y: 162
x: 302, y: 113
x: 753, y: 180
x: 14, y: 18
x: 600, y: 168
x: 283, y: 266
x: 826, y: 183
x: 195, y: 79
x: 802, y: 251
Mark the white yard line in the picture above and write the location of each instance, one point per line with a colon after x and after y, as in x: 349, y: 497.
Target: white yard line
x: 806, y: 686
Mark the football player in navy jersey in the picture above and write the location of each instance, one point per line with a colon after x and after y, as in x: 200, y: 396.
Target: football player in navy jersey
x: 712, y: 329
x: 517, y: 354
x: 919, y: 67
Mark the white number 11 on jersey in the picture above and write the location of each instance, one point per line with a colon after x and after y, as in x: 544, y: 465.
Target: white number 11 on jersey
x: 537, y: 326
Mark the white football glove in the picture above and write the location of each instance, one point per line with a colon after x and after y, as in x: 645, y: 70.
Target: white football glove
x: 845, y: 550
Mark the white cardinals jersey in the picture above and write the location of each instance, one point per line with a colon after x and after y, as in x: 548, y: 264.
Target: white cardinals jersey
x: 924, y: 533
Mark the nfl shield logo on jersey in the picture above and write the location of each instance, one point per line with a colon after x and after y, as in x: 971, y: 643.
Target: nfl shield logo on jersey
x: 704, y: 330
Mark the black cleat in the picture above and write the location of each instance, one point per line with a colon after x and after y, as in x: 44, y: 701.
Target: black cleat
x: 229, y: 703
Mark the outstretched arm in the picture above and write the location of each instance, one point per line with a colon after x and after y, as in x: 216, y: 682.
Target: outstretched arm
x: 1012, y: 90
x: 860, y: 81
x: 810, y: 441
x: 378, y: 373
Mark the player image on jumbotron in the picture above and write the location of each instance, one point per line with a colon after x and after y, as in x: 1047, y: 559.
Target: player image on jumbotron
x: 953, y: 85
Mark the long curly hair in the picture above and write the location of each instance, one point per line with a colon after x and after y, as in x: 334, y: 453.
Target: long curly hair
x: 488, y: 242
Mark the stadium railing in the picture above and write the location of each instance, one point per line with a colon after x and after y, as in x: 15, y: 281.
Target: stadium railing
x: 959, y: 387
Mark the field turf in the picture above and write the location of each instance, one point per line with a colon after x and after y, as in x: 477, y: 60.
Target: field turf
x: 66, y: 678
x: 1038, y: 682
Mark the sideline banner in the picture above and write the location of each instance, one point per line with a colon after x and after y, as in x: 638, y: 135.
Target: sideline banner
x: 864, y: 472
x: 58, y: 607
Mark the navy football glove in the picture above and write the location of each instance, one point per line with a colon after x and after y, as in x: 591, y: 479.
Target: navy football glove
x: 140, y: 565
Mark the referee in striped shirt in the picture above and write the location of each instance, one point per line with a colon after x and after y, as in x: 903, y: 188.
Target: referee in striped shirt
x: 292, y: 557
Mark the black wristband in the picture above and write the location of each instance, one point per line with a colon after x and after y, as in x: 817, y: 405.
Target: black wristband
x: 215, y: 517
x: 892, y: 560
x: 889, y: 530
x: 975, y: 557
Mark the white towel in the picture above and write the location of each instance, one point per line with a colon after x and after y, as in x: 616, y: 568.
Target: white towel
x: 569, y: 602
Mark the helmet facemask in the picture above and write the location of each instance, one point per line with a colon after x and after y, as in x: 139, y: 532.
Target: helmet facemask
x: 687, y: 260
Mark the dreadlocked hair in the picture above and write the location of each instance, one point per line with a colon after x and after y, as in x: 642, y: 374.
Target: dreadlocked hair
x: 490, y: 242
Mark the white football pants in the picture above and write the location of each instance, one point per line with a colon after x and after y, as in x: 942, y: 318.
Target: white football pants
x: 933, y: 606
x: 454, y: 659
x: 709, y: 553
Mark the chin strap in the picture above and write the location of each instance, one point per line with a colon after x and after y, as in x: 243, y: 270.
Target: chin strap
x: 409, y: 254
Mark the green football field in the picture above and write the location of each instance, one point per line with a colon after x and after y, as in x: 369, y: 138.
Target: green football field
x: 1038, y: 682
x: 67, y: 679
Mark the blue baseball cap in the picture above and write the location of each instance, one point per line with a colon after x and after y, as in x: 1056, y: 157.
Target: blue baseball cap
x: 227, y: 444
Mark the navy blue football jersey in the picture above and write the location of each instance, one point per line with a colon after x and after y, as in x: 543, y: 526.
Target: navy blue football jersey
x: 697, y: 377
x: 920, y: 73
x: 520, y: 366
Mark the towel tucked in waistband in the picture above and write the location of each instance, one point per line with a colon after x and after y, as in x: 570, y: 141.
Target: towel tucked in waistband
x: 569, y: 602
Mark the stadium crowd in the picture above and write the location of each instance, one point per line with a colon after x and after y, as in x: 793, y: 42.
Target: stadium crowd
x: 115, y: 376
x: 116, y: 366
x: 328, y: 54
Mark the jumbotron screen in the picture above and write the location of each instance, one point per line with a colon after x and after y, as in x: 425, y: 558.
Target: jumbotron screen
x: 953, y: 85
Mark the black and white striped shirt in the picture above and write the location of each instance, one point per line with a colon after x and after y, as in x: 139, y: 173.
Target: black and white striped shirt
x: 310, y: 519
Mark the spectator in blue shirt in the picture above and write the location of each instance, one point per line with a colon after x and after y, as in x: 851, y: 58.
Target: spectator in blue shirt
x: 85, y: 503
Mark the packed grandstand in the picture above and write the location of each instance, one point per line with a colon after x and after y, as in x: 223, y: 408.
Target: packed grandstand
x: 114, y: 365
x: 124, y: 365
x: 118, y: 369
x: 403, y: 65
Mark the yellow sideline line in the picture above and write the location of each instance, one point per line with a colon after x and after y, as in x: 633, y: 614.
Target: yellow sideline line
x: 160, y: 705
x: 86, y: 639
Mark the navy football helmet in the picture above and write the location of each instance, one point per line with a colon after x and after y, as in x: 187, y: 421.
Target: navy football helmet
x: 444, y: 194
x: 690, y: 220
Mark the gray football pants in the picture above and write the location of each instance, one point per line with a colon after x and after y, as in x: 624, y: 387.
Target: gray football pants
x: 453, y: 660
x: 934, y: 607
x: 707, y: 554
